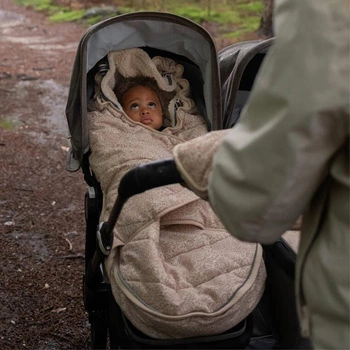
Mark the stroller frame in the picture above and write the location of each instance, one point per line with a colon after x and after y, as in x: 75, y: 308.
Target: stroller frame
x: 185, y: 42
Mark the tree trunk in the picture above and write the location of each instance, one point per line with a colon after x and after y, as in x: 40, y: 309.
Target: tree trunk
x: 266, y: 28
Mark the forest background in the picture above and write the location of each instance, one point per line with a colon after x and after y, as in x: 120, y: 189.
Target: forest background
x: 228, y: 21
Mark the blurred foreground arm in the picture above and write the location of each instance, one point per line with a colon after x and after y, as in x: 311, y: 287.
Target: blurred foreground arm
x: 260, y: 176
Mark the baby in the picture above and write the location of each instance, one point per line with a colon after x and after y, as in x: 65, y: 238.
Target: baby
x: 140, y: 101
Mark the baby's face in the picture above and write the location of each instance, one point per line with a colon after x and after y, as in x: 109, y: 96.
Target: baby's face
x: 142, y: 105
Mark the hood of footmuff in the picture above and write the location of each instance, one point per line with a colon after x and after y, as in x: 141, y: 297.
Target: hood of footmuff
x: 172, y: 88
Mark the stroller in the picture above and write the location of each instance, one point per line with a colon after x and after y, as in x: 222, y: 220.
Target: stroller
x: 232, y: 71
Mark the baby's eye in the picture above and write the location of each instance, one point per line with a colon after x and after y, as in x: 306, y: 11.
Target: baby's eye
x: 151, y: 104
x: 134, y: 106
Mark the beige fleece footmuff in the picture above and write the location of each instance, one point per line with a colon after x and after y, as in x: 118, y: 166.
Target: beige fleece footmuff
x: 174, y: 270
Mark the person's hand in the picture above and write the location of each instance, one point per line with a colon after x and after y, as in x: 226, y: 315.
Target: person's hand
x: 194, y: 159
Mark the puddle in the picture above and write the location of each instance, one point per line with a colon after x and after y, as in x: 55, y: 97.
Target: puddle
x: 8, y: 20
x: 30, y: 41
x: 36, y: 245
x: 53, y: 97
x: 53, y: 47
x: 39, y: 43
x: 55, y: 100
x: 11, y: 19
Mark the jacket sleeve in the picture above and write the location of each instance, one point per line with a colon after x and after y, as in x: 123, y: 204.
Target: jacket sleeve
x: 268, y: 167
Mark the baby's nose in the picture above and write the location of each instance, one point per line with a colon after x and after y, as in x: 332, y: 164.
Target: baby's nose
x: 145, y: 110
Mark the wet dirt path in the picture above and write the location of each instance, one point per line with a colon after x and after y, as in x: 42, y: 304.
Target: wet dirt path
x: 41, y: 204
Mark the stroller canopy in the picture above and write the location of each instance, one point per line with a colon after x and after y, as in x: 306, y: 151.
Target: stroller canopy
x: 163, y: 32
x: 239, y: 65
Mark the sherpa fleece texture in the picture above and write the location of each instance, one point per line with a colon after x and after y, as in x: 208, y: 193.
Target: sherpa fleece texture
x: 174, y: 270
x: 200, y: 152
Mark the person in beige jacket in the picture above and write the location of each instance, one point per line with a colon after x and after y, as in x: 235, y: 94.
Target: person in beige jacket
x: 289, y: 155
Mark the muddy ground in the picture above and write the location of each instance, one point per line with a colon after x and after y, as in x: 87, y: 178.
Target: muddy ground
x: 42, y: 215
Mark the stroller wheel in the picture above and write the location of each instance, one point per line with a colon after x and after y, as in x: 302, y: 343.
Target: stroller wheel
x: 99, y: 331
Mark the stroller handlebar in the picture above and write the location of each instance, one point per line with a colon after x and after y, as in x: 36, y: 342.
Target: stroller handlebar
x: 147, y: 176
x: 137, y: 180
x: 140, y: 179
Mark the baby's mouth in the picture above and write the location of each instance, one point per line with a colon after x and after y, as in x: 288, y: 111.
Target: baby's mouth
x: 147, y: 121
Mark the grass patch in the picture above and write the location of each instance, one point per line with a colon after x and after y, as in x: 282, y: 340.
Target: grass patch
x: 251, y: 6
x: 196, y: 14
x: 249, y: 24
x: 235, y: 34
x: 67, y: 16
x: 93, y: 20
x: 40, y: 5
x: 243, y: 15
x: 7, y: 124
